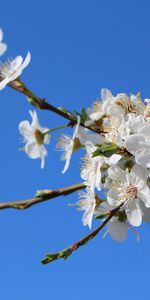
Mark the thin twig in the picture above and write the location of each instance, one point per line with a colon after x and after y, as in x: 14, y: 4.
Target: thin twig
x: 42, y: 196
x: 65, y: 253
x: 44, y: 105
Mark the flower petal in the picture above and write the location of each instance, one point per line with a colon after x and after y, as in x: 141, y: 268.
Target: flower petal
x: 106, y: 95
x: 142, y: 157
x: 117, y: 230
x: 134, y: 213
x: 112, y: 197
x: 134, y: 142
x: 26, y: 130
x: 27, y: 60
x: 144, y: 195
x: 3, y: 48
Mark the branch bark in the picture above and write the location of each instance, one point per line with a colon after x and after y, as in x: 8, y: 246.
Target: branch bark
x: 44, y: 196
x: 44, y: 105
x: 65, y: 253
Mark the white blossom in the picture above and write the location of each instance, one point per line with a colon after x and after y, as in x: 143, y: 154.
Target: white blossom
x: 91, y: 171
x: 12, y: 69
x: 139, y: 144
x: 67, y: 145
x: 85, y: 135
x: 118, y: 225
x: 129, y: 188
x: 107, y: 106
x: 3, y: 46
x: 87, y: 203
x: 35, y: 137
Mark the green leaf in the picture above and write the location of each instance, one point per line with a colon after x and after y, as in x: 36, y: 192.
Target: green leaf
x: 101, y: 216
x: 105, y: 150
x: 83, y: 115
x: 58, y: 255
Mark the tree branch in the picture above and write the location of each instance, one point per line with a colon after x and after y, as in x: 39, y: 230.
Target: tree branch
x: 65, y: 253
x: 44, y: 105
x: 42, y: 196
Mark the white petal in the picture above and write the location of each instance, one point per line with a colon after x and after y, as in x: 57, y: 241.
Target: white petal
x: 1, y: 34
x: 117, y: 231
x: 115, y: 110
x: 3, y: 83
x: 112, y: 197
x: 98, y: 183
x: 90, y: 148
x: 114, y: 159
x: 144, y: 195
x: 35, y: 151
x: 116, y: 173
x: 16, y: 62
x: 145, y: 129
x: 106, y: 95
x: 142, y: 157
x: 35, y: 121
x: 146, y: 212
x: 3, y: 48
x: 134, y: 213
x: 66, y: 164
x: 87, y: 217
x: 134, y: 142
x: 26, y: 130
x: 26, y: 61
x: 140, y: 171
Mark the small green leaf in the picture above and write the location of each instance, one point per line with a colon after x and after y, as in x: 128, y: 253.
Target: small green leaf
x: 58, y: 255
x: 83, y: 115
x: 105, y: 150
x: 101, y: 216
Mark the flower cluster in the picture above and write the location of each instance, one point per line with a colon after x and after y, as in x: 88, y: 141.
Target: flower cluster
x: 119, y: 166
x: 116, y: 162
x: 114, y: 134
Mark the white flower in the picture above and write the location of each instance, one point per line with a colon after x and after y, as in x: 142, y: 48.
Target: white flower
x: 133, y: 122
x: 91, y: 171
x: 87, y: 203
x: 129, y: 188
x: 118, y: 225
x: 115, y: 130
x: 35, y: 137
x: 12, y: 69
x: 67, y: 145
x: 107, y: 106
x: 139, y: 144
x: 3, y: 46
x: 118, y: 230
x: 85, y: 135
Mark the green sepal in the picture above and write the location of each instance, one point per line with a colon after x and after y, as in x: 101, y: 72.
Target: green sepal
x: 101, y: 216
x: 83, y: 115
x: 105, y: 150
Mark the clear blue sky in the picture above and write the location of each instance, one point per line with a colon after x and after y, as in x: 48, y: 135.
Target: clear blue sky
x: 77, y: 47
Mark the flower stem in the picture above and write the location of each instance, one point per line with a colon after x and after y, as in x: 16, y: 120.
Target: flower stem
x: 65, y: 253
x: 56, y: 128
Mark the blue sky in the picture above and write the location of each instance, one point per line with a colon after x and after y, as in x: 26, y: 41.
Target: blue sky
x: 77, y: 47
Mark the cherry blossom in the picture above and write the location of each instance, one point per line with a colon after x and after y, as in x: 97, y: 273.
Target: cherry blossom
x: 35, y: 137
x: 12, y: 69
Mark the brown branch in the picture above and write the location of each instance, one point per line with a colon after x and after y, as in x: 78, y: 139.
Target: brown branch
x: 44, y: 105
x: 43, y: 195
x: 65, y: 253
